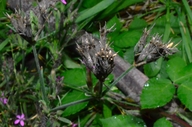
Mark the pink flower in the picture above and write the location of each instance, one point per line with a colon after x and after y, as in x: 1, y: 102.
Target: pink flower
x: 3, y: 99
x: 20, y: 119
x: 64, y: 1
x: 74, y: 125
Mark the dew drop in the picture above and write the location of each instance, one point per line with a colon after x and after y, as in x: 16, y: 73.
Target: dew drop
x: 147, y: 85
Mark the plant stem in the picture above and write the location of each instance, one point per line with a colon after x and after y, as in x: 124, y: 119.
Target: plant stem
x: 70, y: 104
x: 40, y: 72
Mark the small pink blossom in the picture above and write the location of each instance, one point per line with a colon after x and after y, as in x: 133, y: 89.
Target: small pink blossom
x: 74, y: 125
x: 3, y: 99
x: 64, y: 1
x: 20, y: 119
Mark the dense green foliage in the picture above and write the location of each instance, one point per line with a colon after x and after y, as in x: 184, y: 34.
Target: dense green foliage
x: 45, y: 79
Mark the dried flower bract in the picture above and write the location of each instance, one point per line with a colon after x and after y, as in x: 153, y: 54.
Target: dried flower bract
x: 148, y: 52
x: 96, y: 54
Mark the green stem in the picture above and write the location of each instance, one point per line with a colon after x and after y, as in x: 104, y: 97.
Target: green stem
x: 70, y: 104
x: 117, y: 80
x: 40, y: 72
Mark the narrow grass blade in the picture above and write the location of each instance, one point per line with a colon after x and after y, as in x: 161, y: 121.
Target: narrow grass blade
x: 117, y: 80
x: 94, y: 10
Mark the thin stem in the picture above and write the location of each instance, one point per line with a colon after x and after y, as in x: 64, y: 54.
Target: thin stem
x: 40, y: 72
x: 117, y: 80
x: 89, y: 80
x: 70, y: 104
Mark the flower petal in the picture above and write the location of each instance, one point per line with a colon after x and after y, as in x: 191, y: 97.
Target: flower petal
x: 22, y: 116
x: 64, y: 1
x: 16, y: 121
x: 22, y: 123
x: 5, y: 100
x: 18, y: 116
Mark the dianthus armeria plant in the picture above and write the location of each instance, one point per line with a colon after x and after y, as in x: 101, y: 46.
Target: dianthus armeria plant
x: 46, y: 25
x: 97, y: 57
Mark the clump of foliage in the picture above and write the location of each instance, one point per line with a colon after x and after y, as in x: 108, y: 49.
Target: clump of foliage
x: 57, y: 57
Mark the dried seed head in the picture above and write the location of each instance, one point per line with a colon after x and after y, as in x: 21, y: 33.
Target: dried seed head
x: 21, y: 23
x: 153, y: 50
x: 142, y: 41
x: 97, y: 55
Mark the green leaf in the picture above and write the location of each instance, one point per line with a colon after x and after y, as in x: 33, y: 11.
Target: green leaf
x: 184, y: 74
x: 185, y: 94
x: 115, y: 20
x: 69, y: 63
x: 122, y: 121
x: 64, y: 120
x: 138, y: 24
x: 186, y: 37
x: 127, y: 39
x: 117, y: 6
x: 153, y: 68
x: 162, y: 122
x: 75, y: 77
x: 156, y: 93
x: 4, y: 43
x: 129, y: 55
x: 118, y: 25
x: 71, y: 97
x: 107, y: 111
x: 94, y: 10
x: 89, y: 3
x: 174, y: 65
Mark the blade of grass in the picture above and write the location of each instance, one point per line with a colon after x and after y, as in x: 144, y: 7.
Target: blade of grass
x: 117, y: 80
x: 40, y: 72
x: 189, y: 12
x: 94, y: 10
x: 117, y: 6
x: 70, y: 104
x: 188, y: 9
x: 186, y: 39
x: 167, y: 26
x: 4, y: 43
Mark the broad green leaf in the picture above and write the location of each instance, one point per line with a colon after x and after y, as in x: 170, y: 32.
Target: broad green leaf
x: 94, y: 10
x: 75, y: 77
x: 127, y: 39
x: 116, y: 29
x: 69, y: 63
x: 138, y: 24
x: 159, y: 26
x: 129, y: 55
x: 72, y: 97
x: 115, y: 21
x: 185, y: 94
x: 184, y: 74
x: 156, y: 93
x: 163, y: 73
x: 162, y: 122
x: 174, y: 65
x: 153, y: 68
x: 122, y: 121
x: 107, y: 111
